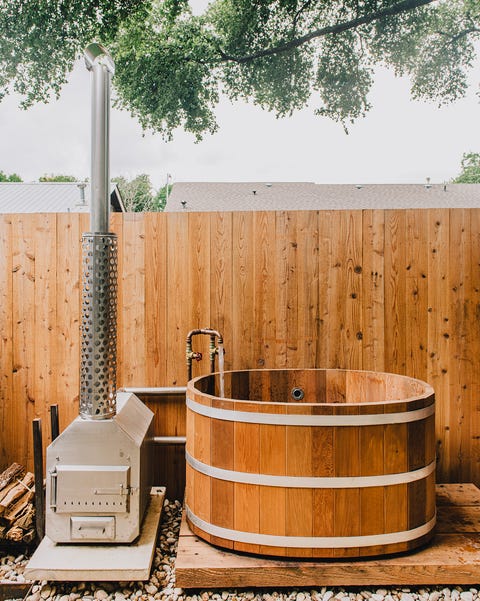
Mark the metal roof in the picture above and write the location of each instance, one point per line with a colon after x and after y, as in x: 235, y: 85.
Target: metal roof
x: 288, y: 196
x: 51, y: 197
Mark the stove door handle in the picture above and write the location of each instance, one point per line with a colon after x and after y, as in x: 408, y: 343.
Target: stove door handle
x: 53, y: 490
x: 119, y: 490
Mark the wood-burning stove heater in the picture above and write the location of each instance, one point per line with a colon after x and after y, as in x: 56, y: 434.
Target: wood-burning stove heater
x: 98, y: 474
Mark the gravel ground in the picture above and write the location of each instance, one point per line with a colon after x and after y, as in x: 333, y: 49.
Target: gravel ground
x: 161, y: 586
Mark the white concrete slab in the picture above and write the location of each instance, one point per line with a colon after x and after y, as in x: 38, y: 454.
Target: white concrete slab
x: 76, y: 562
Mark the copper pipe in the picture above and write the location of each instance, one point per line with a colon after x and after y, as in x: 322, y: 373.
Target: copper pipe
x: 190, y: 354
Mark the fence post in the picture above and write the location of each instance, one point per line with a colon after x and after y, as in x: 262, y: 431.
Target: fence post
x: 38, y: 475
x: 54, y: 426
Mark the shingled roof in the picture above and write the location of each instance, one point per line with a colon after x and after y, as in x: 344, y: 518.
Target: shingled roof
x: 52, y: 197
x: 283, y: 196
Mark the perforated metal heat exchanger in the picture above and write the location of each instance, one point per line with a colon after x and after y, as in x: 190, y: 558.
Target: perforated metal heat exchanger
x: 98, y: 363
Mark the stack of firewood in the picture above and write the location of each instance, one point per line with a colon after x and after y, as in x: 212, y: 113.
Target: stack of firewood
x: 17, y: 511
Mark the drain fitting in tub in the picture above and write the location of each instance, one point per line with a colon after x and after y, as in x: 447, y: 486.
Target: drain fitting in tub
x: 297, y: 393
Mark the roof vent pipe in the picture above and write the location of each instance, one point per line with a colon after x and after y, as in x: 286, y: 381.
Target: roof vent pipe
x: 82, y: 202
x: 99, y: 250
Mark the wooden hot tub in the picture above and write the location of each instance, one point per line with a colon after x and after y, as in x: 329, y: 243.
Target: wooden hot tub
x: 311, y: 463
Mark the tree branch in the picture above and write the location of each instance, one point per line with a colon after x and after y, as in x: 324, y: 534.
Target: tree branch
x: 451, y: 39
x: 304, y: 6
x: 464, y: 33
x: 395, y: 9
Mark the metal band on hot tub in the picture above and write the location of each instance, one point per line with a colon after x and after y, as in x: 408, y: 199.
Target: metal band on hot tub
x: 277, y: 419
x: 309, y: 481
x: 311, y: 542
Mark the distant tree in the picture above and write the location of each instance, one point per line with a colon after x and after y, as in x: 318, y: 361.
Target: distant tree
x: 13, y: 177
x: 57, y: 178
x: 470, y: 173
x: 137, y: 194
x: 161, y: 198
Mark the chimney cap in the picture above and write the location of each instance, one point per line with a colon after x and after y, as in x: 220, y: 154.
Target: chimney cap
x: 95, y: 53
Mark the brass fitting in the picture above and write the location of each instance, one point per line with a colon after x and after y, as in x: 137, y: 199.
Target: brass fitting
x: 213, y: 350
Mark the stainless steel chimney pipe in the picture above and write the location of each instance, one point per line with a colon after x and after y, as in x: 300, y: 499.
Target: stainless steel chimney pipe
x: 101, y: 64
x: 99, y: 249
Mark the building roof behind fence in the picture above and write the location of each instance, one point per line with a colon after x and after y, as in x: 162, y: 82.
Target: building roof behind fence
x: 283, y: 196
x: 51, y: 197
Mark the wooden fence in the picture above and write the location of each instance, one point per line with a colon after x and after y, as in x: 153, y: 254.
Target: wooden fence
x: 394, y: 290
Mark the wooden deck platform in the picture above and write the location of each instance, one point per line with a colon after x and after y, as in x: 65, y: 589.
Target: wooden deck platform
x: 453, y: 557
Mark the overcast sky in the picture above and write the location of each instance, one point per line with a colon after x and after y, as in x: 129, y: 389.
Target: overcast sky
x: 400, y: 141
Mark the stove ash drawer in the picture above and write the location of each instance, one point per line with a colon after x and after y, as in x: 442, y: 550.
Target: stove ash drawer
x: 90, y: 489
x: 92, y: 528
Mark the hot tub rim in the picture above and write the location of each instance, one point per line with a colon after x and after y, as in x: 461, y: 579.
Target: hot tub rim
x: 428, y: 392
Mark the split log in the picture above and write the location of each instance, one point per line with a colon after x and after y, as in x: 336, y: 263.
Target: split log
x: 15, y: 534
x: 7, y: 489
x: 14, y: 472
x: 17, y: 511
x: 24, y: 486
x: 27, y: 521
x: 29, y: 536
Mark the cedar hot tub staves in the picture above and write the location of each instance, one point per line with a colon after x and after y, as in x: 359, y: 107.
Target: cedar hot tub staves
x: 311, y: 463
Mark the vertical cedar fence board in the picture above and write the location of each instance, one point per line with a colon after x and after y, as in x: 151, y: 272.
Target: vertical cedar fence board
x: 389, y: 290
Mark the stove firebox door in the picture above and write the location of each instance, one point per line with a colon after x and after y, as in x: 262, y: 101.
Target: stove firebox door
x: 80, y: 489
